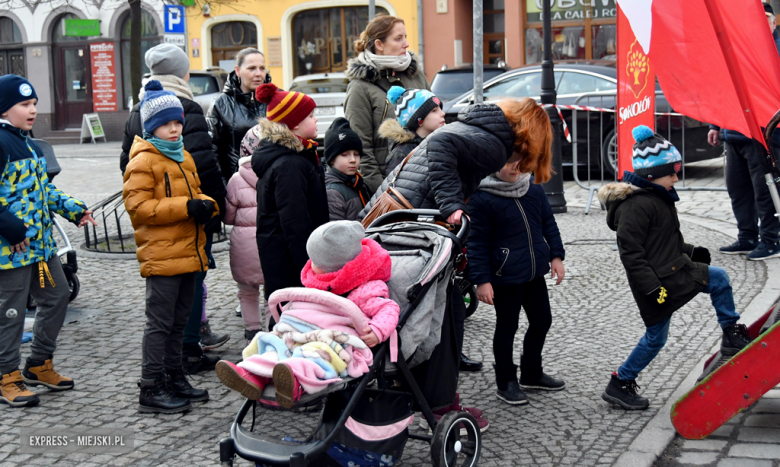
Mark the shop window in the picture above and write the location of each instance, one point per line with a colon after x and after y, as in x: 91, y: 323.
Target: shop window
x: 568, y: 44
x: 150, y: 36
x: 9, y: 32
x: 604, y: 41
x: 323, y: 39
x: 227, y: 39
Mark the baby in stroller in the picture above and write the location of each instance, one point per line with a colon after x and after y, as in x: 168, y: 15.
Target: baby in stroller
x: 311, y: 347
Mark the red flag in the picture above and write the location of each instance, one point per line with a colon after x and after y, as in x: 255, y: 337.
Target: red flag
x: 716, y: 60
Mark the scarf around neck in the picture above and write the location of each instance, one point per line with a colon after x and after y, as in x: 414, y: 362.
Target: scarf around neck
x: 670, y: 196
x: 173, y: 150
x: 373, y: 263
x: 495, y: 186
x: 353, y: 181
x: 170, y: 83
x: 390, y: 62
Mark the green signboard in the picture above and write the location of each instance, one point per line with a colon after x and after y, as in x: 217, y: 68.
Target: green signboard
x: 82, y: 27
x: 571, y: 10
x: 188, y: 2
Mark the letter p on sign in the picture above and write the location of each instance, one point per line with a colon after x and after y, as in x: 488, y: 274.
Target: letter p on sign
x: 174, y: 19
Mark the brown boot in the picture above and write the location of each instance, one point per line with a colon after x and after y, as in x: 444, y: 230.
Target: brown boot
x: 37, y: 374
x: 14, y: 393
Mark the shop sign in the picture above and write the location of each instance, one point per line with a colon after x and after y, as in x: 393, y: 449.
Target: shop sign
x: 82, y: 27
x: 636, y: 91
x: 103, y: 58
x: 571, y: 10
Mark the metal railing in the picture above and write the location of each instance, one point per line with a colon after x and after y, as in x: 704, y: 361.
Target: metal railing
x: 604, y: 103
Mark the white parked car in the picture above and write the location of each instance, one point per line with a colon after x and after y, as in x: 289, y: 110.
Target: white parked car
x: 328, y: 91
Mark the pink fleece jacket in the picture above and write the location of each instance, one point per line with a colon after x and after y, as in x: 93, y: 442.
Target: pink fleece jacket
x: 241, y: 212
x: 364, y: 278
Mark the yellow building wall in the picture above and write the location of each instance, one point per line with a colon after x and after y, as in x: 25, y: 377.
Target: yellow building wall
x: 273, y: 18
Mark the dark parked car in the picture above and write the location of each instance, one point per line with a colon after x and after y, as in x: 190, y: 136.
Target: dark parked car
x: 596, y: 130
x: 450, y: 83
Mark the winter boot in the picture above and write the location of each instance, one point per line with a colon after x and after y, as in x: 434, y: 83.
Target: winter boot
x: 250, y: 334
x: 508, y: 390
x: 209, y: 340
x: 157, y: 397
x: 288, y: 390
x: 623, y: 393
x: 181, y: 387
x: 735, y: 338
x: 238, y: 379
x: 14, y: 393
x: 42, y: 373
x: 194, y: 360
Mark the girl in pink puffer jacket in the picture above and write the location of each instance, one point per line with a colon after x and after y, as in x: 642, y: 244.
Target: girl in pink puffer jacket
x: 241, y: 212
x: 343, y: 263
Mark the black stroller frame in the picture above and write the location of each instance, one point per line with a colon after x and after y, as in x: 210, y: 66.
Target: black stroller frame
x: 447, y: 443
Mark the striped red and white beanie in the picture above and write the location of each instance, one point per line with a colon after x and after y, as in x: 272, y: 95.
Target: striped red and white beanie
x: 286, y: 107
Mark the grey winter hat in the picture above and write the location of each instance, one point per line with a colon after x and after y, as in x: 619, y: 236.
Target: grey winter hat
x: 167, y: 59
x: 335, y: 244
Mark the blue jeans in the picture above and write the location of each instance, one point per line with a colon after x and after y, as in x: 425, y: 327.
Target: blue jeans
x: 655, y: 336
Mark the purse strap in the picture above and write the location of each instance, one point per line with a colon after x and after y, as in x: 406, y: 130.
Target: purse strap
x: 392, y: 183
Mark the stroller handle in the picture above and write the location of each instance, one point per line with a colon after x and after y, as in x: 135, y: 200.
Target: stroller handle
x: 419, y: 215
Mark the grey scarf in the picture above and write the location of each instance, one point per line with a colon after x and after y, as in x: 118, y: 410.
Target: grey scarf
x: 498, y: 187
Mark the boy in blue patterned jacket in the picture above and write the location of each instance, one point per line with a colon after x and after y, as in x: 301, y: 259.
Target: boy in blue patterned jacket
x: 28, y: 254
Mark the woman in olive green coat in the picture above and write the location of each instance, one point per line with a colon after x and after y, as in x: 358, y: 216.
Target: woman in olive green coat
x: 383, y: 61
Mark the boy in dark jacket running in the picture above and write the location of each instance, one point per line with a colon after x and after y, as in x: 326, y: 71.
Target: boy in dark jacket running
x: 347, y: 192
x: 419, y: 114
x: 291, y: 199
x: 664, y: 272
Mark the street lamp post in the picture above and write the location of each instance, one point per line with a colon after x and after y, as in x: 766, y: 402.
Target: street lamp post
x: 553, y: 188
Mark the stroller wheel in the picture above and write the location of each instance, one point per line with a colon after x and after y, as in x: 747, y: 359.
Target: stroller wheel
x: 73, y: 285
x: 472, y: 302
x: 450, y: 448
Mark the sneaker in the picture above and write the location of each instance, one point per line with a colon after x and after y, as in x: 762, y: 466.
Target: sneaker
x: 238, y: 379
x: 512, y: 394
x: 238, y: 311
x: 764, y: 251
x: 735, y: 338
x: 181, y: 387
x: 475, y: 412
x: 209, y: 340
x: 740, y: 247
x: 14, y: 393
x: 42, y: 373
x: 194, y: 360
x: 157, y: 397
x: 624, y: 394
x: 482, y: 422
x: 545, y: 383
x: 288, y: 390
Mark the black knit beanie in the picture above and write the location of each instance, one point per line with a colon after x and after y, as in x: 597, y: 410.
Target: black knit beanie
x: 340, y: 138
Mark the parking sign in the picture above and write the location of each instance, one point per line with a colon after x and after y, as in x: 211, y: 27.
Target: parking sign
x: 174, y: 19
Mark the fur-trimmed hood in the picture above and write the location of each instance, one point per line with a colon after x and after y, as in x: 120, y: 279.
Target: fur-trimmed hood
x: 360, y: 68
x: 393, y: 131
x: 278, y: 133
x: 616, y: 192
x: 276, y: 140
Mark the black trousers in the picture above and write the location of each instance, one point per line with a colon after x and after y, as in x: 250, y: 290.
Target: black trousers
x: 751, y: 202
x: 168, y: 305
x: 508, y: 299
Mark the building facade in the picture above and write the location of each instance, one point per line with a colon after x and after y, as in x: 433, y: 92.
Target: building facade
x: 297, y: 37
x: 582, y: 29
x: 34, y: 44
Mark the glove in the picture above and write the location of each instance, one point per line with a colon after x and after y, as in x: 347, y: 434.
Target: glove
x: 200, y: 210
x: 701, y: 255
x: 659, y: 294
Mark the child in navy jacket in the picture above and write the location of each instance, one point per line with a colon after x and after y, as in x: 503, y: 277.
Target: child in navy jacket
x: 513, y: 241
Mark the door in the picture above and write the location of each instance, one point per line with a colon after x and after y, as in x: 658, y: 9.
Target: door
x: 73, y: 87
x: 12, y: 61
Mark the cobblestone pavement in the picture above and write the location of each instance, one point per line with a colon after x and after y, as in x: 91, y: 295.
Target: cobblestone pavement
x: 595, y: 325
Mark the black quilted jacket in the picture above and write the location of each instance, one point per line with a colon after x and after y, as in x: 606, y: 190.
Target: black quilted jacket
x: 448, y: 165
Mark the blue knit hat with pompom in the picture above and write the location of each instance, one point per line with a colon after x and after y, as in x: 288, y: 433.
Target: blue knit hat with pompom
x: 159, y: 107
x: 412, y: 105
x: 654, y: 156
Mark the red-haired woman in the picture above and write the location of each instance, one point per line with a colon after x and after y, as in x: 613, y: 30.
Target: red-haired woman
x: 514, y: 242
x: 383, y: 62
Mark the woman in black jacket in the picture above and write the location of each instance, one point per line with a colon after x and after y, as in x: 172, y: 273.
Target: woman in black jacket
x: 514, y: 240
x: 236, y: 110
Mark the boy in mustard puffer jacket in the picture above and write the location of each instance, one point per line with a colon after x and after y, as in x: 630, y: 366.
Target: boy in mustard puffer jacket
x: 168, y: 211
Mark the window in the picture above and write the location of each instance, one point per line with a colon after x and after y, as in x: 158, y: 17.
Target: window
x: 323, y: 39
x: 579, y: 83
x: 203, y: 84
x: 520, y: 85
x: 9, y: 32
x: 150, y: 37
x: 227, y: 39
x: 568, y: 44
x: 320, y: 86
x: 605, y: 41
